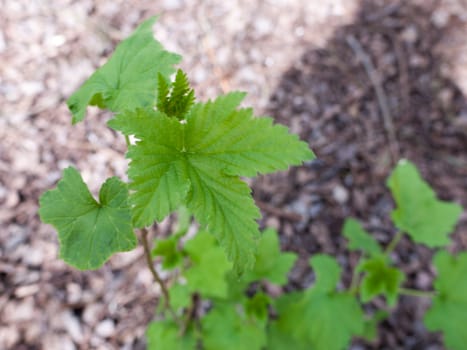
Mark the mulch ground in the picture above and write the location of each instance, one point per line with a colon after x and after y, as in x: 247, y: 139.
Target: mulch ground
x: 385, y: 64
x: 364, y: 83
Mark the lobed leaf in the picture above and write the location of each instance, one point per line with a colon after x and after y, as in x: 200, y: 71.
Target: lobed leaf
x: 209, y: 266
x: 165, y: 335
x: 448, y: 310
x: 89, y: 232
x: 128, y: 80
x: 199, y: 161
x: 380, y: 278
x: 223, y: 204
x: 227, y: 327
x: 237, y: 142
x: 168, y: 250
x: 157, y: 169
x: 327, y: 319
x: 271, y: 264
x: 359, y: 239
x: 177, y: 99
x: 419, y: 213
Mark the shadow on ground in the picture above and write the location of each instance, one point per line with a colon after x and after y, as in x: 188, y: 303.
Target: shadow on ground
x: 376, y: 93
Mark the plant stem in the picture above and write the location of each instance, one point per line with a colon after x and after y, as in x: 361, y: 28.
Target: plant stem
x: 417, y: 293
x: 355, y: 282
x: 392, y: 245
x: 190, y: 314
x: 127, y: 140
x: 165, y: 291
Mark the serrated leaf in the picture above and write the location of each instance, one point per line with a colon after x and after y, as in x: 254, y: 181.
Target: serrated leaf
x: 209, y: 266
x: 328, y: 319
x: 223, y: 204
x: 448, y: 312
x: 165, y: 335
x: 380, y: 278
x: 177, y: 99
x: 157, y: 168
x: 419, y: 213
x: 239, y: 143
x: 89, y: 232
x: 227, y: 327
x: 199, y: 161
x: 184, y: 218
x: 359, y: 239
x: 271, y: 264
x: 128, y: 80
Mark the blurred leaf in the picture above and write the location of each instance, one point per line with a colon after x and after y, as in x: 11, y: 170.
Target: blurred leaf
x: 359, y: 239
x: 226, y: 327
x: 320, y: 318
x: 448, y: 312
x: 380, y: 278
x: 165, y: 335
x: 209, y: 266
x: 419, y: 213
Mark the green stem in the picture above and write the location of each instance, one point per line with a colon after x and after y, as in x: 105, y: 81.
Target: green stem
x: 165, y: 291
x: 355, y: 283
x: 127, y: 140
x: 392, y: 245
x: 417, y: 293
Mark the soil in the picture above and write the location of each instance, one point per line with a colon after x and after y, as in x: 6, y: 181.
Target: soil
x: 365, y: 83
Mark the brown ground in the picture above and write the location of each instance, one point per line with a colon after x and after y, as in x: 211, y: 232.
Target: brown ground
x: 301, y: 63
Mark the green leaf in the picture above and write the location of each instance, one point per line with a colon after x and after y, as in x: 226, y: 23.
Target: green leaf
x: 223, y: 204
x: 257, y: 306
x: 184, y: 218
x: 209, y: 266
x: 165, y: 335
x: 157, y: 170
x: 327, y: 272
x: 280, y: 332
x: 370, y: 331
x: 237, y: 142
x: 227, y: 327
x: 271, y: 264
x: 199, y: 161
x: 176, y: 100
x: 359, y: 239
x: 180, y: 296
x: 448, y: 312
x: 380, y: 278
x: 89, y: 232
x: 129, y: 78
x: 419, y: 213
x: 167, y: 249
x: 320, y: 318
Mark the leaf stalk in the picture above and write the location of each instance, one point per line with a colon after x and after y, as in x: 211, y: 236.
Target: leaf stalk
x: 149, y: 262
x: 392, y: 245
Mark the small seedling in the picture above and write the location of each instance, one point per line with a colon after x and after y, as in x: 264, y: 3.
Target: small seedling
x: 190, y: 157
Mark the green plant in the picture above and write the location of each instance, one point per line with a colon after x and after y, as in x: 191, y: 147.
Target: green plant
x: 189, y: 158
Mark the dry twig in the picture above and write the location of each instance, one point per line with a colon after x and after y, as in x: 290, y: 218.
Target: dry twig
x: 375, y: 80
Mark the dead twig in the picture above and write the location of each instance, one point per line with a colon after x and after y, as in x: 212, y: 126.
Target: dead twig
x: 375, y: 80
